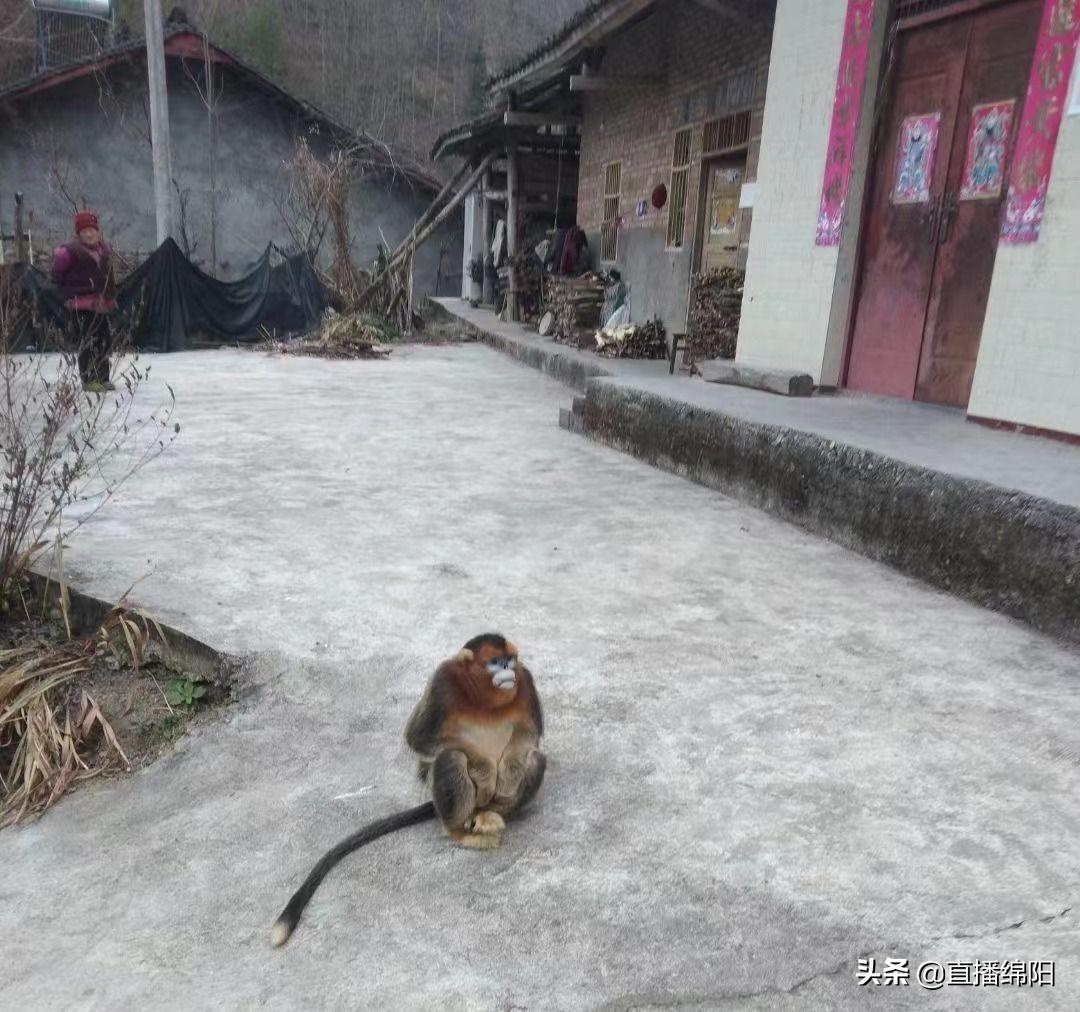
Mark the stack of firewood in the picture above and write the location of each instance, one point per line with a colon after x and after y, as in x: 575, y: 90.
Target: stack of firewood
x: 527, y: 279
x: 635, y: 340
x: 715, y: 309
x: 576, y: 303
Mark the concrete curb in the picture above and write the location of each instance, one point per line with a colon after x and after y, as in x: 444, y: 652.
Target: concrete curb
x: 1005, y: 550
x: 562, y: 367
x: 1013, y: 552
x: 185, y: 652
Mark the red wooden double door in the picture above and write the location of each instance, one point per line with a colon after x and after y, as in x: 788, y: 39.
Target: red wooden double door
x: 956, y: 94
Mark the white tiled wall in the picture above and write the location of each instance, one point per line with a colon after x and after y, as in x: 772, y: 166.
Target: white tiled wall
x: 1029, y: 359
x: 789, y: 280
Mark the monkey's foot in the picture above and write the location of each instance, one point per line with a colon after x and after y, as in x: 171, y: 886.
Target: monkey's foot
x: 476, y: 841
x: 486, y: 824
x: 482, y: 832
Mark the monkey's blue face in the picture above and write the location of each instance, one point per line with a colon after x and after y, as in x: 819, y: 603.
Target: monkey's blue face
x: 503, y: 674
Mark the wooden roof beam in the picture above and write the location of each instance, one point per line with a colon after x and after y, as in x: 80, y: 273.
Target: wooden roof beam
x: 726, y: 9
x: 539, y: 119
x: 611, y: 82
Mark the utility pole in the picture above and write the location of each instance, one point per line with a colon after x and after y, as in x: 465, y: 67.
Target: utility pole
x: 159, y: 120
x: 20, y: 234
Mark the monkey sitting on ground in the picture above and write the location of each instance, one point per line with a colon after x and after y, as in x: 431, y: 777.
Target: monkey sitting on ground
x: 477, y: 731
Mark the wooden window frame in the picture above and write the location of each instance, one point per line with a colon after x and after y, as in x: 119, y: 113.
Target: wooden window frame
x: 609, y: 227
x: 728, y: 134
x: 682, y: 158
x: 735, y: 127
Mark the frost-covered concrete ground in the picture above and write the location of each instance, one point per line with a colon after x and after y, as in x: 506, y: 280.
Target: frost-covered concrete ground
x: 768, y: 756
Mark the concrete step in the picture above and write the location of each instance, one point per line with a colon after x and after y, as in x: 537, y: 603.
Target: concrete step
x: 1004, y: 549
x: 573, y: 418
x: 1014, y: 551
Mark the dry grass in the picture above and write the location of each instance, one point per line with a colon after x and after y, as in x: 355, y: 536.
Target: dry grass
x: 53, y: 734
x: 342, y: 336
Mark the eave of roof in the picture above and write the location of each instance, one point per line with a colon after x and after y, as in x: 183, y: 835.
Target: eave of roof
x: 547, y: 95
x: 184, y: 41
x: 448, y: 142
x: 596, y: 20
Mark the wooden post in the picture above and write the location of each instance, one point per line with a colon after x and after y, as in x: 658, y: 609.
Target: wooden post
x: 512, y: 225
x: 211, y: 122
x: 426, y: 233
x: 20, y: 234
x: 409, y: 301
x: 487, y: 297
x: 432, y: 209
x: 159, y: 120
x: 418, y: 237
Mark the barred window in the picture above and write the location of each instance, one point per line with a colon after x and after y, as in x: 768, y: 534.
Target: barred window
x: 680, y: 180
x: 726, y: 133
x: 609, y: 232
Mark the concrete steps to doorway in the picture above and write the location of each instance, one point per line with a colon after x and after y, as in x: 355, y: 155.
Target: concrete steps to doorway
x: 1011, y: 550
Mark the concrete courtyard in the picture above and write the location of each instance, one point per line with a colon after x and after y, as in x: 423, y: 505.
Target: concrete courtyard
x: 768, y: 756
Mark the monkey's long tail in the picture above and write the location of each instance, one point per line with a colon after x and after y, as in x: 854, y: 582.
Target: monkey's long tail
x: 290, y: 916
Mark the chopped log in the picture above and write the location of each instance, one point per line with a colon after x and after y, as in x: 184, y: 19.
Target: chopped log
x: 775, y: 382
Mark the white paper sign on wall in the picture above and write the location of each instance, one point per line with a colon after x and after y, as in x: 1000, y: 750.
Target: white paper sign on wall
x: 746, y: 195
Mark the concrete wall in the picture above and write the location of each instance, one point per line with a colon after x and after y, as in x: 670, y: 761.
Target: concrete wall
x: 789, y: 281
x: 710, y: 66
x: 1028, y: 370
x: 90, y: 137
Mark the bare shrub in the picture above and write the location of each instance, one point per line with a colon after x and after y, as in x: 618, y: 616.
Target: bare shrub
x: 317, y: 201
x: 65, y: 452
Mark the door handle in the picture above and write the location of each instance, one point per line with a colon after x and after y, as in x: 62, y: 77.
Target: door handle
x: 948, y: 212
x: 932, y: 219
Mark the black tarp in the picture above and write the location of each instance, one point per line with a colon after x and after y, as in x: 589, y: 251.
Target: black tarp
x: 168, y: 299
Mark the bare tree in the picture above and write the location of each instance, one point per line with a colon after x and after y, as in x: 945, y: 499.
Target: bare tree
x: 64, y: 452
x: 209, y: 89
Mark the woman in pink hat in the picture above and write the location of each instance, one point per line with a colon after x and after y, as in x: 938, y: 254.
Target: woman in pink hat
x: 83, y: 270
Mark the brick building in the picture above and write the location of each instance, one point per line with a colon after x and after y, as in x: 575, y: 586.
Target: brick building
x: 697, y: 126
x: 630, y: 96
x: 909, y: 169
